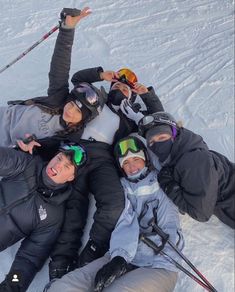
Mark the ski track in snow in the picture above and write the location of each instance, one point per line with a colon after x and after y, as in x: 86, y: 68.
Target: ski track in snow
x: 183, y: 48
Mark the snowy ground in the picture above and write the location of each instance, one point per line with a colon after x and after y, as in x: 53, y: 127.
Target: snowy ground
x: 183, y: 48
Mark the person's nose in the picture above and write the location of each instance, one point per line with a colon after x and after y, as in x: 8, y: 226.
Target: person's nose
x: 59, y: 166
x: 71, y: 108
x: 133, y: 167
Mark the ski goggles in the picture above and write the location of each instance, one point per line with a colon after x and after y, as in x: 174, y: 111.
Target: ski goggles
x: 148, y: 122
x: 127, y: 145
x: 127, y: 76
x: 90, y: 94
x: 77, y: 153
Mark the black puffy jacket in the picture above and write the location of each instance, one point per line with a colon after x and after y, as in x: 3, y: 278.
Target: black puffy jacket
x: 28, y: 210
x: 206, y: 179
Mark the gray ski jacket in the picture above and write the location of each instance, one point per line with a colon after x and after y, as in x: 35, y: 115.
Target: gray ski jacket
x: 145, y: 199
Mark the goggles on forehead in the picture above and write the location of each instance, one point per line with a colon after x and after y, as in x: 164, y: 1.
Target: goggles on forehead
x: 127, y: 76
x: 78, y: 154
x: 127, y: 145
x: 147, y: 122
x: 90, y: 94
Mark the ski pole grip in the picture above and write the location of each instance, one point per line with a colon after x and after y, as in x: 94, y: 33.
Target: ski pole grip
x: 69, y: 11
x: 157, y: 229
x: 151, y: 244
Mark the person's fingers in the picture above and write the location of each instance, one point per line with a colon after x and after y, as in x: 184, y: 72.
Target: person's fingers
x: 22, y: 145
x: 85, y: 12
x: 116, y: 74
x: 134, y: 90
x: 37, y: 144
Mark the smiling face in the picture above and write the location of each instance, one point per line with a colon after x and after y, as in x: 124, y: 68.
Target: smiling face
x: 72, y: 113
x: 124, y: 88
x: 133, y: 165
x: 60, y: 169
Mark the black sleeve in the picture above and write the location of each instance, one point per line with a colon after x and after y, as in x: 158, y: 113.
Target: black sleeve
x: 152, y: 101
x: 89, y: 75
x: 12, y: 162
x: 60, y: 65
x: 198, y: 186
x: 69, y: 240
x: 34, y: 250
x: 105, y: 185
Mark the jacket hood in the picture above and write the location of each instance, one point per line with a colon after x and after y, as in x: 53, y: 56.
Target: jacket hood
x: 186, y: 141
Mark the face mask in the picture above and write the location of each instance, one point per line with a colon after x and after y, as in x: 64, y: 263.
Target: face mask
x: 116, y: 96
x: 162, y: 149
x: 138, y: 175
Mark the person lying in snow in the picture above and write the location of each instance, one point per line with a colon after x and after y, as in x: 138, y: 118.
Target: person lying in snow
x: 60, y: 112
x: 32, y: 197
x: 201, y: 182
x: 130, y: 264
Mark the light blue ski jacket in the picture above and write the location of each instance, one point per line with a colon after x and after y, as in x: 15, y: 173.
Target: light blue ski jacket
x: 142, y: 198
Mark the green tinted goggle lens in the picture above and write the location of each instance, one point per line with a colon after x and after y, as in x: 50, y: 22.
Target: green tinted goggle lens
x: 126, y: 145
x: 78, y: 154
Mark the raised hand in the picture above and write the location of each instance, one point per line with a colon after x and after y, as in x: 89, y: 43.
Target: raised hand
x: 28, y: 146
x: 110, y: 76
x: 72, y: 16
x: 139, y: 88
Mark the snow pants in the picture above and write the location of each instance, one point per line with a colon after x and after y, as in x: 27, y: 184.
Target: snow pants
x: 138, y: 280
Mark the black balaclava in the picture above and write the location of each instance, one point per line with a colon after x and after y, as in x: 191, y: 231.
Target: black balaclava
x: 161, y: 149
x: 115, y: 96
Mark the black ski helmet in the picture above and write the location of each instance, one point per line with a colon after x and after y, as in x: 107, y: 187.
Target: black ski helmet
x: 159, y: 118
x: 129, y: 144
x: 92, y: 98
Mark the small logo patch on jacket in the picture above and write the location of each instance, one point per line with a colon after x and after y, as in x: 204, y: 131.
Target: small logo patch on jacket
x: 42, y: 213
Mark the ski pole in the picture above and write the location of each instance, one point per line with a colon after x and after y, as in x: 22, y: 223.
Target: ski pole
x: 153, y: 245
x: 188, y: 273
x: 30, y: 48
x: 162, y: 233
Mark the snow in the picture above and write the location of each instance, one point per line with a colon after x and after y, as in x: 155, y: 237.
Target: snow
x: 183, y: 48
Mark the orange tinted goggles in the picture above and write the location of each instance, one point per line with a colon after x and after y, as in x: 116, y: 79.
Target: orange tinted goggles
x: 127, y: 76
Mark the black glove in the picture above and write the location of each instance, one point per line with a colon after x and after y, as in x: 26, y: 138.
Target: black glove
x: 59, y: 267
x: 12, y: 283
x: 166, y: 180
x: 109, y: 272
x: 91, y: 252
